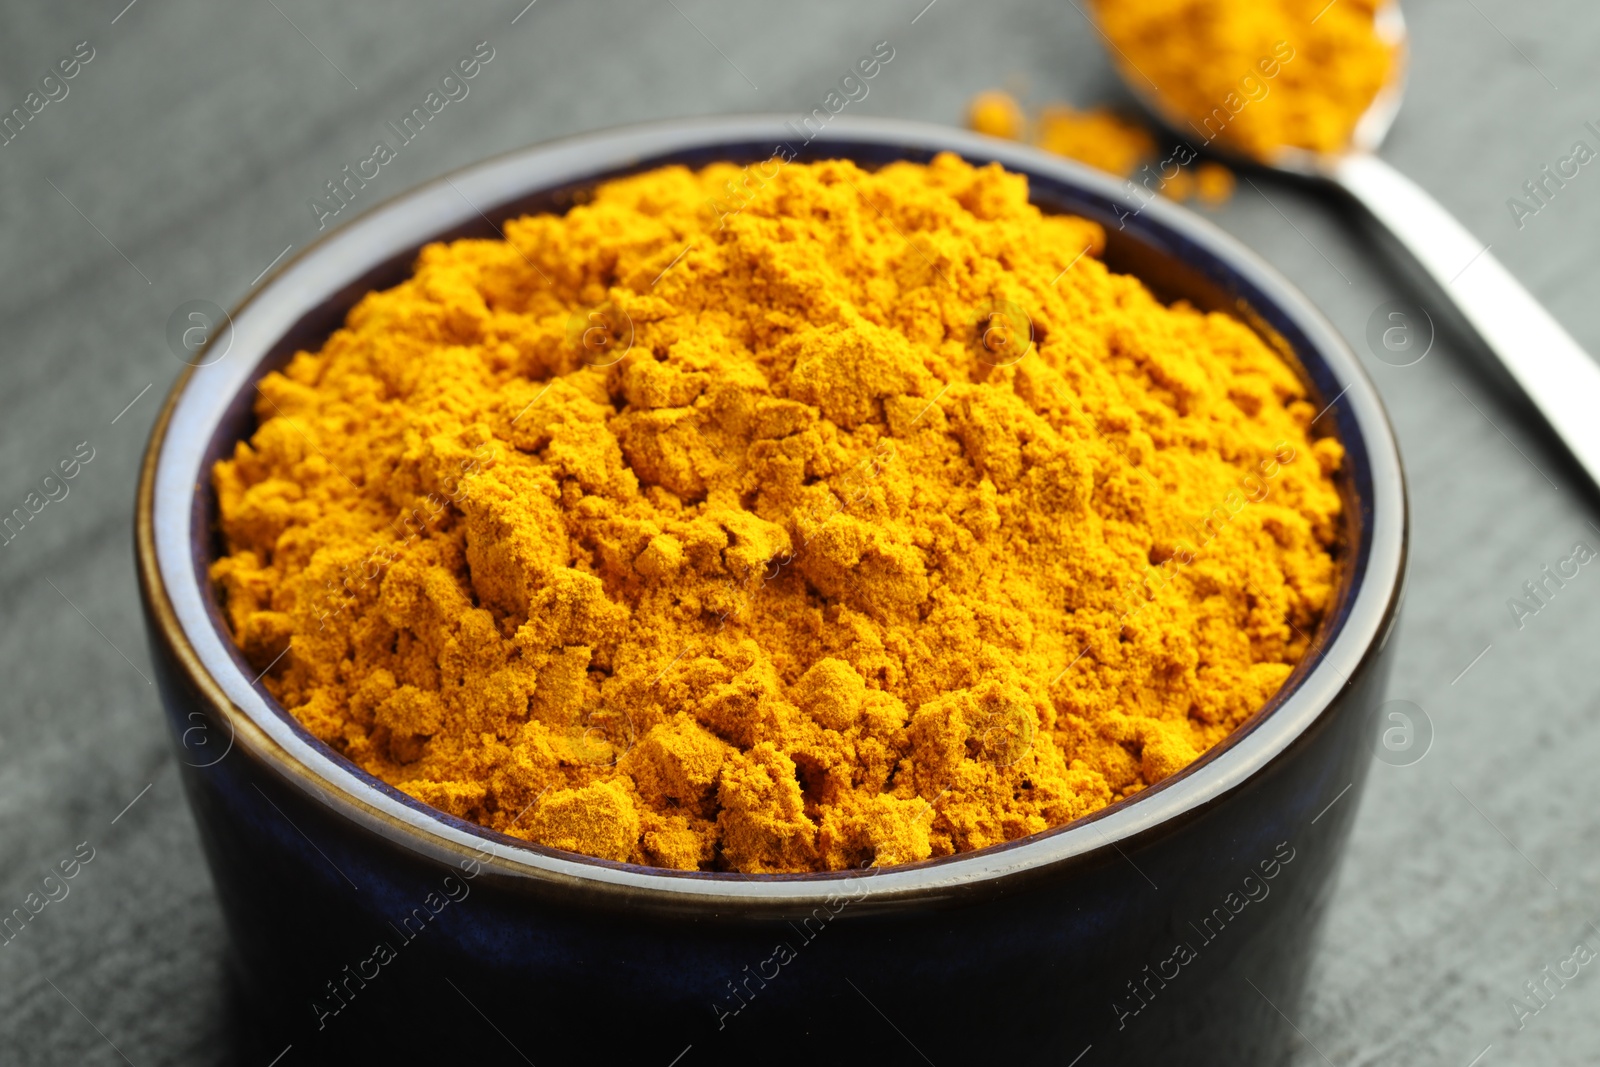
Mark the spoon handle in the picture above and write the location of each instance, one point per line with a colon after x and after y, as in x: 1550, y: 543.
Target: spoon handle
x: 1555, y: 373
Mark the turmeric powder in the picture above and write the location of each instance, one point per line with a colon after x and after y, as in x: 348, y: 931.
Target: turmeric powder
x: 997, y: 113
x: 1258, y: 77
x: 874, y: 521
x: 1104, y: 140
x: 1099, y: 137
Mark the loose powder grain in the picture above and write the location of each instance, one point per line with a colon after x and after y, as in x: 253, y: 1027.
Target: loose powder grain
x: 874, y: 521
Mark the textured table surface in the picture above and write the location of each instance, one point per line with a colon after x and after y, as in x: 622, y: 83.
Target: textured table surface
x: 180, y: 164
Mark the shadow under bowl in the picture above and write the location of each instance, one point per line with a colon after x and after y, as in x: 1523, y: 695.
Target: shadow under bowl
x: 1174, y: 924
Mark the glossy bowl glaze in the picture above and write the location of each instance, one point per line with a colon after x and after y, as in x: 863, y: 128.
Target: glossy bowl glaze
x: 1175, y: 924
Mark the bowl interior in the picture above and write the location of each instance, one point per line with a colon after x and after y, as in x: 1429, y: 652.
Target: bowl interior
x: 1175, y: 253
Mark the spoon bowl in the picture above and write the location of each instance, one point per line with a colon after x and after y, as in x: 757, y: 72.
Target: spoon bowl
x: 1367, y: 136
x: 1555, y: 373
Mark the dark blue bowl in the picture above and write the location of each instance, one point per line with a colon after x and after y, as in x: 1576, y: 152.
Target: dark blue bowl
x: 1177, y: 924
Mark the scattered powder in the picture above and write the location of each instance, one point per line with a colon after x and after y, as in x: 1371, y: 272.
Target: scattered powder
x: 997, y: 114
x: 1104, y: 140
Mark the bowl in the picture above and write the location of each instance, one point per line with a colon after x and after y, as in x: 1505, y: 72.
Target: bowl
x: 1178, y: 923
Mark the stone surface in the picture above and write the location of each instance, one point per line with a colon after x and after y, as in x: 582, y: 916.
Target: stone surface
x: 182, y: 161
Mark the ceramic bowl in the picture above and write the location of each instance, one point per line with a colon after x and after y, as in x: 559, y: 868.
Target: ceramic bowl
x: 1177, y: 924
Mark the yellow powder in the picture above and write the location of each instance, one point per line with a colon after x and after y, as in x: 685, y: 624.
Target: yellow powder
x: 997, y: 114
x: 1258, y: 76
x: 1214, y: 183
x: 1106, y: 141
x: 1098, y: 137
x: 842, y: 528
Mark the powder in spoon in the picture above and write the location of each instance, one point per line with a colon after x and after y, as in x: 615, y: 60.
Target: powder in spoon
x: 1258, y: 76
x: 874, y: 521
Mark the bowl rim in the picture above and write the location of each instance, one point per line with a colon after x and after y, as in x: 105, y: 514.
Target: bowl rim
x: 267, y: 733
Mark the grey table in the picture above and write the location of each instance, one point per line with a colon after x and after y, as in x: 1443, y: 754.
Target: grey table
x: 181, y: 162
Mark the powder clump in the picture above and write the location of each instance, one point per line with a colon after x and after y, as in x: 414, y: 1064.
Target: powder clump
x: 873, y: 522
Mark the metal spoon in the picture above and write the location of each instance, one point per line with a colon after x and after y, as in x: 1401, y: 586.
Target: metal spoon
x: 1554, y: 372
